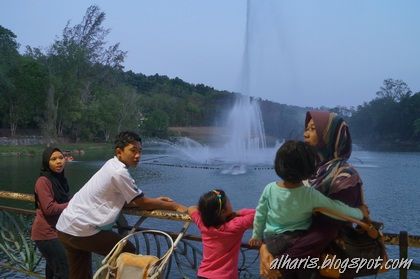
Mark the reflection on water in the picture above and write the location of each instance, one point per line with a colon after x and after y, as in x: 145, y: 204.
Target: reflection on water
x: 391, y: 182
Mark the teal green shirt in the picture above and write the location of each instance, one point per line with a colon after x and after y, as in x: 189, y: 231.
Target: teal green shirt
x: 282, y: 209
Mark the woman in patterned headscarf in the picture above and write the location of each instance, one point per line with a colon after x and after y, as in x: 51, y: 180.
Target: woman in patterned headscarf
x: 334, y: 177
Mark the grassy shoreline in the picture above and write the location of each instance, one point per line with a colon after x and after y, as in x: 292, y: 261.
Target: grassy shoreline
x: 32, y: 150
x: 204, y: 135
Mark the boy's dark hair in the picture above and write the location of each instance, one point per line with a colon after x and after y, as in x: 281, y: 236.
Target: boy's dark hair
x: 125, y: 138
x: 210, y: 207
x: 295, y: 161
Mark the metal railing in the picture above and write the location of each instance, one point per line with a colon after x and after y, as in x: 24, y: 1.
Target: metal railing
x: 184, y: 262
x: 16, y: 245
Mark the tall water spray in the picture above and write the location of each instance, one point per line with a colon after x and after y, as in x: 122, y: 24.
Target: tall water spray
x: 246, y: 131
x: 245, y: 123
x: 245, y: 142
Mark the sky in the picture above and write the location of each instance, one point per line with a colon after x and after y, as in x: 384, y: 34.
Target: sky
x: 305, y: 53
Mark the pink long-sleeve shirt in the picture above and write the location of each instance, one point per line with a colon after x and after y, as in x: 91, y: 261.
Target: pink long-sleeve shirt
x: 221, y: 245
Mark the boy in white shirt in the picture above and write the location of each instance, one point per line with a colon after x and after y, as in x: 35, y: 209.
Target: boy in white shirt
x: 85, y: 225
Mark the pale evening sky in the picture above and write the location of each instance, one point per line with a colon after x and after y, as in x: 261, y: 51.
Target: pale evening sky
x: 306, y: 53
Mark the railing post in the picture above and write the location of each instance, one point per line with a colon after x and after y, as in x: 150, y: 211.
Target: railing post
x: 403, y: 252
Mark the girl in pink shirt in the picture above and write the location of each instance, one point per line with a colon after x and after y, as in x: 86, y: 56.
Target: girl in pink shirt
x: 221, y: 232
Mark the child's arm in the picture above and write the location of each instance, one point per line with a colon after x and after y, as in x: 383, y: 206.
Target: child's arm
x: 191, y: 209
x: 260, y: 216
x: 195, y: 217
x: 244, y: 219
x: 322, y: 201
x: 256, y: 240
x: 245, y: 211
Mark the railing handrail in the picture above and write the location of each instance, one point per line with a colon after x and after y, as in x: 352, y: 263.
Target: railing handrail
x: 17, y: 196
x: 161, y: 214
x: 403, y: 240
x: 389, y: 238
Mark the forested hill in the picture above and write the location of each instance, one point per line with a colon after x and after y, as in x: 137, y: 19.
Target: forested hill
x: 173, y: 102
x: 391, y: 121
x: 77, y: 89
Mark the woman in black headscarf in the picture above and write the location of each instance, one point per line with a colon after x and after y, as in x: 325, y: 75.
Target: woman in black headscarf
x: 51, y: 197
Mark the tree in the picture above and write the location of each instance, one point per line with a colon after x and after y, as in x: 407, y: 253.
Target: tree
x: 390, y: 120
x: 417, y: 127
x: 30, y: 82
x: 105, y: 112
x: 78, y: 63
x: 395, y: 90
x: 128, y: 112
x: 9, y: 57
x: 156, y: 124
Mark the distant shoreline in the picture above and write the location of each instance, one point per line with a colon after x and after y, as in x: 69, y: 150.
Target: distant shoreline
x: 210, y: 134
x: 36, y: 149
x: 201, y: 134
x: 391, y: 147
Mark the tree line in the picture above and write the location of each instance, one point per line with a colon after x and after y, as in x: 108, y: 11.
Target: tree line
x: 391, y: 120
x: 77, y: 89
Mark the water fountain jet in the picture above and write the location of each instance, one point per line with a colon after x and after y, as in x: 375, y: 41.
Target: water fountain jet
x: 246, y: 142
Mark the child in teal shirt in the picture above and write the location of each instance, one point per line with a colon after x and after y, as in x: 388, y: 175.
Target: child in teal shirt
x: 285, y: 207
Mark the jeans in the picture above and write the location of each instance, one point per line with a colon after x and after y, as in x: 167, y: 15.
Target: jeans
x: 79, y: 250
x: 56, y: 266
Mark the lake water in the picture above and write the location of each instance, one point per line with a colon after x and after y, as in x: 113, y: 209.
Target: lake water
x: 391, y: 182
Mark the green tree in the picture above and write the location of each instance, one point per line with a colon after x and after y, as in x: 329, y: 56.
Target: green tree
x: 417, y: 127
x: 30, y: 83
x: 104, y: 111
x: 128, y: 112
x: 78, y: 64
x: 390, y: 119
x: 395, y: 90
x: 156, y: 124
x: 9, y: 60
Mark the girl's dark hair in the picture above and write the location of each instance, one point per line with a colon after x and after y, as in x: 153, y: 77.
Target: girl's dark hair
x: 295, y: 161
x: 210, y: 207
x: 125, y: 138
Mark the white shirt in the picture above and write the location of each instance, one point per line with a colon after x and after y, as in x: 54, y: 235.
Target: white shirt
x: 98, y: 203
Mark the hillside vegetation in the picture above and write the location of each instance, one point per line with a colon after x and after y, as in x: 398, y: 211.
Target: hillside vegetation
x: 77, y: 90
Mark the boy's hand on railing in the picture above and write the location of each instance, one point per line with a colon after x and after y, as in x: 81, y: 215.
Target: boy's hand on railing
x: 166, y: 199
x: 191, y: 209
x: 180, y: 208
x: 255, y: 242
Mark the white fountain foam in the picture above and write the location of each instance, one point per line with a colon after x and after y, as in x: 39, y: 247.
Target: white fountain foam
x: 246, y: 132
x: 189, y: 150
x: 246, y: 144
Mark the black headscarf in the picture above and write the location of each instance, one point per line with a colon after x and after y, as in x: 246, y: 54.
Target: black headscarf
x: 59, y: 183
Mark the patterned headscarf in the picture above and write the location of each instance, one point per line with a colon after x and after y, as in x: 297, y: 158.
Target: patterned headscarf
x: 334, y: 148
